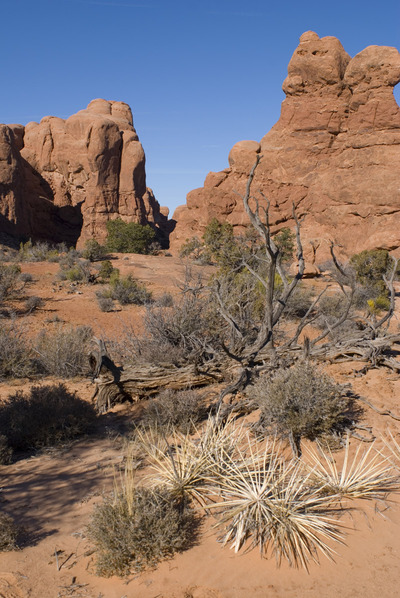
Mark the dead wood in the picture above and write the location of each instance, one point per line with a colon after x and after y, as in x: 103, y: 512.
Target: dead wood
x: 135, y: 382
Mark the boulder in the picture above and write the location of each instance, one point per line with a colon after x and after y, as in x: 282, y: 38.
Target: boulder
x: 334, y: 154
x: 62, y: 180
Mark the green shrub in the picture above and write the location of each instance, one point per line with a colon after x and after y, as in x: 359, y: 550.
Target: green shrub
x: 63, y: 351
x: 192, y: 248
x: 380, y: 303
x: 370, y: 267
x: 127, y: 290
x: 80, y: 272
x: 106, y: 270
x: 285, y: 241
x: 138, y: 530
x: 93, y: 251
x: 9, y: 533
x: 302, y: 402
x: 174, y: 409
x: 45, y: 416
x: 128, y: 237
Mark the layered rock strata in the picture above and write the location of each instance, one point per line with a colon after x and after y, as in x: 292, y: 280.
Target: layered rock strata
x: 334, y: 154
x: 62, y: 180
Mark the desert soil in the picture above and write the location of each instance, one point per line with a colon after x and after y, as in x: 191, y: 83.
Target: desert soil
x: 52, y: 494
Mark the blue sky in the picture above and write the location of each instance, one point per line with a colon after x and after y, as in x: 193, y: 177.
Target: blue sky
x: 198, y: 75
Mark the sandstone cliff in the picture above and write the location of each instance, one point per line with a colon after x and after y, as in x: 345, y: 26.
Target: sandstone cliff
x: 62, y: 180
x: 334, y: 153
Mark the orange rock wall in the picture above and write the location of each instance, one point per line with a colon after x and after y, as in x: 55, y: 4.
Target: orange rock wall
x: 334, y: 153
x: 64, y: 179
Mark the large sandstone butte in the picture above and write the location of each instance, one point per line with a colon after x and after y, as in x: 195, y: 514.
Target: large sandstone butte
x: 334, y: 153
x: 62, y: 180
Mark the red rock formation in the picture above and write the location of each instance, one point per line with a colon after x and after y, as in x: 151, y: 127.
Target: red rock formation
x: 334, y: 153
x: 64, y: 179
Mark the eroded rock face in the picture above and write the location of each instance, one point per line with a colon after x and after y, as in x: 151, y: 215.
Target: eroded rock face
x: 62, y: 180
x: 334, y: 153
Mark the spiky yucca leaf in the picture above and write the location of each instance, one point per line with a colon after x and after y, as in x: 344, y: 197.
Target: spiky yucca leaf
x: 394, y: 448
x: 268, y: 504
x: 182, y: 468
x: 367, y: 474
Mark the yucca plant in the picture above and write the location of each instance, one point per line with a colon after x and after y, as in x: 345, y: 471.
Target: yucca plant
x: 182, y: 468
x: 394, y: 448
x: 267, y: 503
x: 367, y: 474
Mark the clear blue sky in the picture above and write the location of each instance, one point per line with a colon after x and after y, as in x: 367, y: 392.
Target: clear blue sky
x: 198, y: 75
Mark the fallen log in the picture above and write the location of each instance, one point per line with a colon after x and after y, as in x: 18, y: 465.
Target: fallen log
x: 135, y: 382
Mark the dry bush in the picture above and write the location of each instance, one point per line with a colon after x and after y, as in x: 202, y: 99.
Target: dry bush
x: 302, y: 402
x: 33, y: 303
x: 299, y: 302
x: 25, y: 277
x: 40, y: 252
x: 105, y: 303
x: 9, y: 533
x: 128, y: 291
x: 165, y: 300
x: 64, y: 351
x: 172, y: 409
x: 45, y: 416
x: 9, y: 280
x: 138, y: 529
x: 16, y: 355
x: 6, y: 451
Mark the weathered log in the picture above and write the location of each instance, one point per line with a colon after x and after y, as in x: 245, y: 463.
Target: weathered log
x: 135, y: 382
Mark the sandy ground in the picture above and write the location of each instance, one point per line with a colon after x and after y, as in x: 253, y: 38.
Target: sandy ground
x: 52, y: 494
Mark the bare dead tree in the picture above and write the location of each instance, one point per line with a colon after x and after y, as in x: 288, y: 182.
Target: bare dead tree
x: 244, y: 346
x: 247, y: 352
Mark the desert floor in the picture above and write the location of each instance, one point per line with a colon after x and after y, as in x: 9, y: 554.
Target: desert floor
x: 52, y: 494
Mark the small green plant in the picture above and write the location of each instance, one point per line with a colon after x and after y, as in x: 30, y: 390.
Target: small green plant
x: 45, y: 416
x: 80, y: 272
x: 370, y: 267
x: 106, y: 270
x: 127, y: 290
x: 138, y: 528
x: 285, y: 241
x: 302, y: 402
x: 93, y: 251
x: 129, y: 237
x: 192, y: 248
x: 380, y: 303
